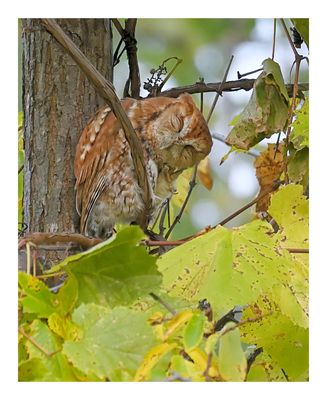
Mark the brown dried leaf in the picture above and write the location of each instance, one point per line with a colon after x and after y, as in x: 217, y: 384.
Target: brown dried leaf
x: 205, y: 174
x: 269, y: 167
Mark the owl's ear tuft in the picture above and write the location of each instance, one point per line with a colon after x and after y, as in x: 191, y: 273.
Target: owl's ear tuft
x: 186, y: 98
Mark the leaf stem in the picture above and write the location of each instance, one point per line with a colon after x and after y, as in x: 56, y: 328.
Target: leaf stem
x: 36, y: 344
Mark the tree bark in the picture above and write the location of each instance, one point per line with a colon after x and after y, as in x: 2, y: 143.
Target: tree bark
x: 57, y: 102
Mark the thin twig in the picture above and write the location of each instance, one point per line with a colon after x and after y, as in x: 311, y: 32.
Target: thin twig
x: 179, y: 215
x: 163, y: 303
x: 159, y: 243
x: 240, y: 76
x: 274, y: 40
x: 221, y: 138
x: 177, y: 63
x: 246, y: 321
x: 251, y: 203
x: 219, y: 91
x: 290, y: 41
x: 162, y: 217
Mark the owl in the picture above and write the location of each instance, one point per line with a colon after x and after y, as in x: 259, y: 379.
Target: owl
x: 174, y: 136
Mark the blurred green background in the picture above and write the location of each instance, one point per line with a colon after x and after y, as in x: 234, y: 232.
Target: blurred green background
x: 205, y: 46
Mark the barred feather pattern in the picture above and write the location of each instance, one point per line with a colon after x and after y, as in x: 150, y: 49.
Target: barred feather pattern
x: 174, y: 136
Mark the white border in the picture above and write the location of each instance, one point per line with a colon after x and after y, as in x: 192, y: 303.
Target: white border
x: 212, y: 9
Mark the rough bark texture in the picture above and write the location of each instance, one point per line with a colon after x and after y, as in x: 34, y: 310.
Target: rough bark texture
x: 57, y: 102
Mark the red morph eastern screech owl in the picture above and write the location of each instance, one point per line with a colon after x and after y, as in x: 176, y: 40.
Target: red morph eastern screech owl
x: 174, y: 136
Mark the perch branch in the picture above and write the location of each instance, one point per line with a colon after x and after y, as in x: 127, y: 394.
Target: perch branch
x: 107, y: 91
x: 45, y: 238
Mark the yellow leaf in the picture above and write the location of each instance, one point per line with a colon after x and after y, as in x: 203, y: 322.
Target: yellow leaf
x: 151, y: 359
x: 64, y: 327
x: 205, y: 174
x: 200, y: 359
x: 177, y: 321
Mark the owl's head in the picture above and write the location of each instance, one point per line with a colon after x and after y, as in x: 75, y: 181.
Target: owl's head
x: 181, y: 133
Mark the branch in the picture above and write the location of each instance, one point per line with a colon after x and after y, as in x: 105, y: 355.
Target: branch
x: 45, y: 238
x: 131, y: 49
x: 219, y: 91
x: 250, y: 204
x: 128, y: 36
x: 163, y: 303
x: 229, y: 86
x: 107, y: 91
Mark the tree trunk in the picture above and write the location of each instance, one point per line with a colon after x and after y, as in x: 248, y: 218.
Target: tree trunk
x: 57, y: 102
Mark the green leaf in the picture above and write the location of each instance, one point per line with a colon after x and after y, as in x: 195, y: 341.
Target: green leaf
x: 285, y: 342
x: 290, y: 209
x: 189, y: 269
x: 232, y: 362
x: 273, y: 72
x: 266, y: 112
x: 115, y: 272
x: 298, y: 166
x: 265, y: 369
x: 67, y: 296
x: 230, y: 267
x: 31, y: 370
x: 57, y: 366
x: 63, y: 327
x: 300, y: 133
x: 193, y: 331
x: 302, y: 26
x: 36, y: 297
x: 114, y: 341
